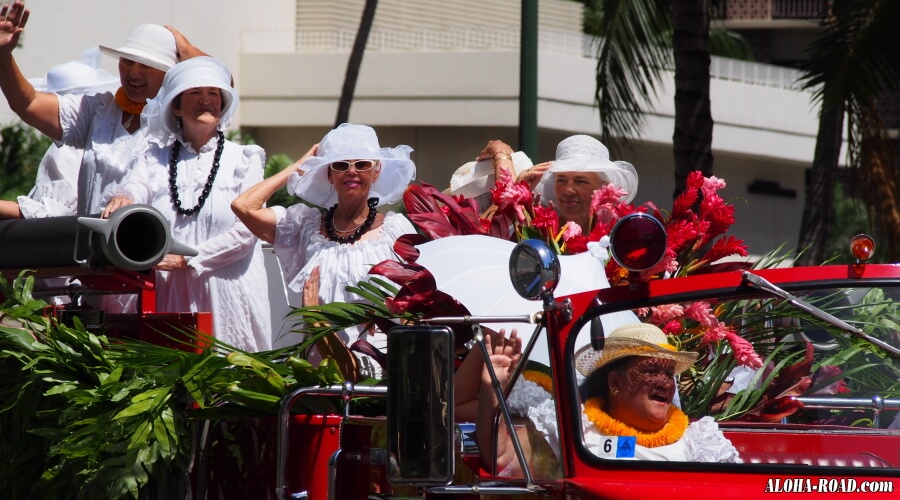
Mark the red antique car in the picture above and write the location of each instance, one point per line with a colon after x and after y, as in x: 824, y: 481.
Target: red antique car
x: 819, y: 418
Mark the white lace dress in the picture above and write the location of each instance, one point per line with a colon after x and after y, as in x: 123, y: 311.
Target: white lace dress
x: 228, y: 277
x: 702, y: 440
x: 301, y: 247
x: 94, y: 123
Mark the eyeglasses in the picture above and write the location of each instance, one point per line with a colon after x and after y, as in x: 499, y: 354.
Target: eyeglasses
x: 359, y: 165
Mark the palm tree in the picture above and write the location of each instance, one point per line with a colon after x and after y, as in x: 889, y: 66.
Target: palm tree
x: 852, y: 62
x: 355, y: 62
x: 638, y: 38
x: 692, y: 139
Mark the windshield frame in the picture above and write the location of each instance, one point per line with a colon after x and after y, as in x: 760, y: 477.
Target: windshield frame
x: 729, y: 286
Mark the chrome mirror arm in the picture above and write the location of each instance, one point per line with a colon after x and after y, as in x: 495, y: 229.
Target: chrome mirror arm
x: 762, y: 284
x: 504, y: 410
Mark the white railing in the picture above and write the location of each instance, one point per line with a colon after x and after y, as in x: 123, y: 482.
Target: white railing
x: 473, y: 40
x: 768, y: 75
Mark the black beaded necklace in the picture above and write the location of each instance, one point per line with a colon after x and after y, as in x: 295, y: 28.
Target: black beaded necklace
x: 173, y: 186
x: 358, y: 232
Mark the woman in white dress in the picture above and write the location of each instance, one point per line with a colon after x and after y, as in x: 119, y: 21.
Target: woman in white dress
x: 333, y: 243
x: 191, y: 174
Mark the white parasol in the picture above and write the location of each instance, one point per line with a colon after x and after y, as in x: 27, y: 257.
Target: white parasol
x: 474, y: 270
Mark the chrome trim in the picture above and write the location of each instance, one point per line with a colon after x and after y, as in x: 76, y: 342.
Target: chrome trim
x: 284, y: 421
x: 876, y: 403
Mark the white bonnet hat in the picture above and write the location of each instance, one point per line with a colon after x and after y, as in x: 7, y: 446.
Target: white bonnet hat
x: 583, y: 153
x: 353, y: 142
x: 75, y: 77
x: 475, y: 178
x: 149, y: 44
x: 204, y: 71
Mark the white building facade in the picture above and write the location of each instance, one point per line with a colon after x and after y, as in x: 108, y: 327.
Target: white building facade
x: 442, y: 76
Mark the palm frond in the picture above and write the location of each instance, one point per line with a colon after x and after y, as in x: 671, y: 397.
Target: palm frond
x: 855, y: 55
x: 730, y: 44
x: 631, y: 55
x: 91, y: 417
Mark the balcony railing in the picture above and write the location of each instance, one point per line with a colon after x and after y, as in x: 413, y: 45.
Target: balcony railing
x: 777, y: 9
x: 485, y: 40
x: 799, y: 9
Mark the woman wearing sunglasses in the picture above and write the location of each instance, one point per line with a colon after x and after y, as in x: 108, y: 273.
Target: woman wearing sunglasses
x: 331, y: 240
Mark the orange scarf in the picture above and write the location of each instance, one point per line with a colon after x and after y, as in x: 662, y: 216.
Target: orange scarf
x: 126, y: 104
x: 676, y: 423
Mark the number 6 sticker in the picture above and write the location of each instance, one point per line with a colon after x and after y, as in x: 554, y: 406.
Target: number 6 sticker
x: 617, y: 447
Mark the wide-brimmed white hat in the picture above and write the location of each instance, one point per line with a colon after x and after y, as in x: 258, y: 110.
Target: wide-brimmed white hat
x: 477, y: 177
x: 583, y: 153
x: 75, y: 77
x: 158, y: 116
x: 149, y: 44
x: 636, y: 339
x: 353, y: 142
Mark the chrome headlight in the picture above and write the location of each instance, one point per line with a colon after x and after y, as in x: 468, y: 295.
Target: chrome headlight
x: 534, y: 269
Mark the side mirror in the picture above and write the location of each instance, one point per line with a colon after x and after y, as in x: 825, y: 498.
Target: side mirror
x: 420, y: 405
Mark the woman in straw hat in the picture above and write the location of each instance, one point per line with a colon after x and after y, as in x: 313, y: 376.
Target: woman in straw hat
x: 628, y: 392
x: 191, y: 174
x: 333, y: 239
x: 105, y: 125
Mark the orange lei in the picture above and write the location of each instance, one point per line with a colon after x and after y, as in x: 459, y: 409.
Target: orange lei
x: 126, y: 104
x: 539, y: 378
x: 676, y: 423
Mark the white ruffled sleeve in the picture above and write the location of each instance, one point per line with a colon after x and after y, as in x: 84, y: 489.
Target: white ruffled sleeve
x: 399, y: 225
x: 233, y: 245
x: 543, y: 416
x: 293, y: 230
x: 55, y: 188
x: 525, y: 394
x: 704, y: 442
x: 136, y: 185
x: 53, y: 199
x: 76, y: 114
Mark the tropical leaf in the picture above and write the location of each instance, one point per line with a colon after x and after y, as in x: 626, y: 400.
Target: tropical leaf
x: 632, y: 52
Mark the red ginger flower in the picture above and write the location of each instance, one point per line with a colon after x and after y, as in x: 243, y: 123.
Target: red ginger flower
x: 681, y: 233
x: 577, y: 244
x: 665, y: 313
x: 570, y: 230
x: 716, y: 333
x: 684, y: 203
x: 672, y: 327
x: 725, y: 246
x: 511, y: 194
x: 701, y: 312
x: 743, y: 351
x: 607, y: 196
x: 545, y: 218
